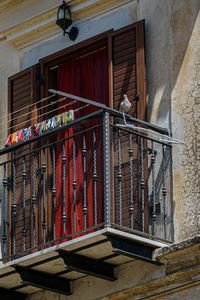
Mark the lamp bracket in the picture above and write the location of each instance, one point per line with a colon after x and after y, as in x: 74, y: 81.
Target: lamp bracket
x: 73, y: 33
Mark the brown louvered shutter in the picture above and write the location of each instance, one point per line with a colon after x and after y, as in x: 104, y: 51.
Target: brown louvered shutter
x: 129, y: 68
x: 21, y: 87
x: 128, y: 77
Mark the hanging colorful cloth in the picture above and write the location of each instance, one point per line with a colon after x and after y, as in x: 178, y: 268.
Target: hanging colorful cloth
x: 40, y: 128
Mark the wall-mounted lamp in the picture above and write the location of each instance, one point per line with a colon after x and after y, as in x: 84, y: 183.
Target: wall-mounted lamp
x: 64, y: 20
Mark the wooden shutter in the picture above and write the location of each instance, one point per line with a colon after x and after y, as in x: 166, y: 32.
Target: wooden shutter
x: 127, y: 76
x: 21, y: 96
x: 128, y: 68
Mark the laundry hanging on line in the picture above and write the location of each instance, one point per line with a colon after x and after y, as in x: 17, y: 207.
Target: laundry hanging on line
x: 40, y: 128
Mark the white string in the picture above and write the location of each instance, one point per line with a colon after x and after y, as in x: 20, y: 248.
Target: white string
x: 40, y: 115
x: 82, y: 107
x: 49, y: 104
x: 20, y: 109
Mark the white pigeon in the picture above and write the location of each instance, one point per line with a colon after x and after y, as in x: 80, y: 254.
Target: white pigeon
x: 125, y: 105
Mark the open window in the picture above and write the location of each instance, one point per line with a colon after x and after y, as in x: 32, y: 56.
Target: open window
x: 103, y: 68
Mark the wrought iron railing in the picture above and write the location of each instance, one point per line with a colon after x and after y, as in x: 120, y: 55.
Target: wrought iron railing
x: 84, y: 176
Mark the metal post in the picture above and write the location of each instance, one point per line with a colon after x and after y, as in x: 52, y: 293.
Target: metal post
x: 24, y: 204
x: 85, y: 210
x: 64, y: 217
x: 44, y: 196
x: 5, y: 202
x: 95, y: 177
x: 74, y: 182
x: 131, y: 207
x: 106, y: 151
x: 154, y: 216
x: 119, y: 176
x: 54, y: 190
x: 34, y: 200
x: 164, y: 191
x: 142, y: 181
x: 13, y: 209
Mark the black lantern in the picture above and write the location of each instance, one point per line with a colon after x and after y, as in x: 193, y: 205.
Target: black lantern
x: 64, y: 20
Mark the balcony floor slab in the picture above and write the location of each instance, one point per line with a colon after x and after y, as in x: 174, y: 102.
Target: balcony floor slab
x: 95, y: 245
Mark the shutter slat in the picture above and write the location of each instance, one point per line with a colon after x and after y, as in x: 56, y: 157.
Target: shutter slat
x: 123, y: 46
x: 25, y: 89
x: 125, y: 89
x: 124, y: 79
x: 129, y: 59
x: 17, y: 84
x: 124, y: 71
x: 128, y: 49
x: 125, y: 65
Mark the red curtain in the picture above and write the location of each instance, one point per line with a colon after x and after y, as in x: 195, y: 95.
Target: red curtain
x: 87, y: 77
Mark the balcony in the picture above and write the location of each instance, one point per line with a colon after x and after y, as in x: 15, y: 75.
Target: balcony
x: 82, y: 199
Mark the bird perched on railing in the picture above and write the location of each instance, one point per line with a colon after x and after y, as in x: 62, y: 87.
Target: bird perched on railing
x: 125, y: 105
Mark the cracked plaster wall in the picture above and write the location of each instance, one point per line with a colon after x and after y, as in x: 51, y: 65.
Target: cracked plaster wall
x: 186, y: 118
x: 173, y: 85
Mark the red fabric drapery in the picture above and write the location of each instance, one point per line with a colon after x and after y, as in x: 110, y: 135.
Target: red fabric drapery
x: 86, y: 77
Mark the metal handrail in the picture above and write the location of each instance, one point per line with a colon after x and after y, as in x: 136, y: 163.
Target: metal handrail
x: 112, y: 112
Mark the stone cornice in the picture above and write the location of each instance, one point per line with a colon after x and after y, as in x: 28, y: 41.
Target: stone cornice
x: 41, y: 26
x: 165, y: 286
x: 6, y: 4
x: 180, y: 256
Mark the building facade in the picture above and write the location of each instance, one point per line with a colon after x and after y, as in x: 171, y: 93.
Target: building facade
x: 157, y: 42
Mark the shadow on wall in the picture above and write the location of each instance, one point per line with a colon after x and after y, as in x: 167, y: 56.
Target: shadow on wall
x: 165, y: 57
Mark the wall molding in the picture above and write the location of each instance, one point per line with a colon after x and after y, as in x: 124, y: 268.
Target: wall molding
x: 42, y: 26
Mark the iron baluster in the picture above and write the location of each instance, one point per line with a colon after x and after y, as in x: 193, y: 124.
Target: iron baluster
x: 142, y: 185
x: 74, y: 182
x: 24, y: 204
x: 106, y: 150
x: 153, y: 187
x: 85, y: 210
x: 54, y: 190
x: 64, y: 217
x: 13, y: 209
x: 119, y: 176
x: 95, y: 177
x: 164, y: 191
x: 131, y: 208
x: 33, y: 200
x: 44, y: 225
x: 5, y: 201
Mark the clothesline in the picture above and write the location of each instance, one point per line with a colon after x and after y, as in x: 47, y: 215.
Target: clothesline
x: 34, y: 118
x: 37, y: 109
x: 30, y: 105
